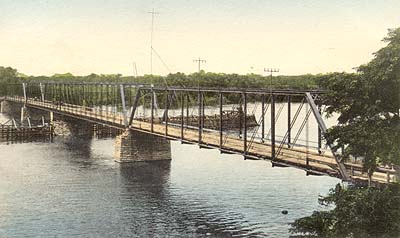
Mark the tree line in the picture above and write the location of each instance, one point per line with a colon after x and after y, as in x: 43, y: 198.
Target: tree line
x: 202, y: 79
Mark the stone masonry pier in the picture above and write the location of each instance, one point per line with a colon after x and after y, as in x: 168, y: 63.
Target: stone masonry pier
x: 134, y: 146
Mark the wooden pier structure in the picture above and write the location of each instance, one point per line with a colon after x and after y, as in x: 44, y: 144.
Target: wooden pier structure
x: 141, y: 108
x: 13, y: 134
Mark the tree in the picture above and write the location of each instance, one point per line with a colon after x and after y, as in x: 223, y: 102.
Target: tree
x: 8, y: 75
x: 368, y: 103
x: 358, y: 212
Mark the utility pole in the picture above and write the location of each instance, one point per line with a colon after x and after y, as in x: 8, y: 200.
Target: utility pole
x: 199, y: 61
x: 151, y: 39
x: 271, y: 70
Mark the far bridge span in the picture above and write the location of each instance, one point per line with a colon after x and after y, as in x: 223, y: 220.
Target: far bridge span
x: 186, y: 114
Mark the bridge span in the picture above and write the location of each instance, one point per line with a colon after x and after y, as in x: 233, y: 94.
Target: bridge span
x: 199, y: 116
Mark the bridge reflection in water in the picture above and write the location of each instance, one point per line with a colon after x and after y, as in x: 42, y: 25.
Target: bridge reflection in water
x: 146, y: 109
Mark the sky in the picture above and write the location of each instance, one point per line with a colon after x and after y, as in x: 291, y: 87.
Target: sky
x: 44, y: 37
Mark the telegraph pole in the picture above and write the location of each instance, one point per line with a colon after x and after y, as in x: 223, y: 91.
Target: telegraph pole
x: 199, y: 61
x: 271, y: 70
x: 151, y: 39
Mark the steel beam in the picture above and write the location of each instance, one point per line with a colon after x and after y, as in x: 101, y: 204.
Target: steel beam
x: 322, y: 126
x: 220, y: 120
x: 134, y: 107
x: 122, y: 92
x: 41, y: 91
x: 289, y: 121
x: 187, y: 110
x: 200, y: 103
x: 182, y: 113
x: 166, y: 112
x: 24, y: 90
x: 244, y: 95
x: 152, y: 110
x: 272, y: 127
x: 262, y: 118
x: 319, y: 134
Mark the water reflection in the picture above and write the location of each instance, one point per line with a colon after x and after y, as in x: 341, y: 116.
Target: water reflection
x: 151, y: 177
x: 73, y: 188
x: 79, y: 147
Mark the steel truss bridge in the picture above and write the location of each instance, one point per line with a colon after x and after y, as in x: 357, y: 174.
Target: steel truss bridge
x: 289, y: 131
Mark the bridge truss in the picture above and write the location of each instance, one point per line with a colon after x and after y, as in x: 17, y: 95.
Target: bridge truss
x: 285, y: 127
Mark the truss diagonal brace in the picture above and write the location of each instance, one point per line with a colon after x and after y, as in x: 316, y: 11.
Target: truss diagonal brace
x: 135, y: 103
x: 122, y: 92
x: 322, y: 126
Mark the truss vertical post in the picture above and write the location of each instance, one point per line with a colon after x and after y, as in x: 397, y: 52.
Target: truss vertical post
x: 220, y: 120
x: 289, y: 121
x: 63, y: 93
x: 182, y: 113
x: 41, y: 91
x: 152, y: 110
x: 187, y: 110
x: 83, y: 96
x: 166, y: 112
x: 24, y: 91
x: 122, y: 92
x: 319, y: 134
x: 262, y: 118
x: 272, y: 126
x: 59, y: 96
x: 244, y: 95
x: 203, y: 115
x: 101, y: 99
x: 107, y: 100
x: 200, y: 103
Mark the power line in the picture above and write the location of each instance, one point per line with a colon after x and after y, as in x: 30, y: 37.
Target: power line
x: 162, y: 61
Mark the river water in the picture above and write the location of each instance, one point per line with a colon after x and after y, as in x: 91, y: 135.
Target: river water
x: 73, y: 188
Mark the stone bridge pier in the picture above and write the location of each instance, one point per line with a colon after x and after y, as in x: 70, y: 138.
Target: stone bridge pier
x: 135, y: 146
x: 68, y: 126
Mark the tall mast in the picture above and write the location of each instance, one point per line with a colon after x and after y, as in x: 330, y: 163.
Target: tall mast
x: 151, y: 39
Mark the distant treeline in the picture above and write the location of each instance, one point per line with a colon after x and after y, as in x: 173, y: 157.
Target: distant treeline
x: 204, y: 79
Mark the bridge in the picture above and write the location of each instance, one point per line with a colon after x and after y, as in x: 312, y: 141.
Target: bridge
x: 262, y: 124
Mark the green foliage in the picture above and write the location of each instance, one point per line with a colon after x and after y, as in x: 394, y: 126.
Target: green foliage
x: 8, y: 75
x: 358, y: 212
x: 368, y: 103
x: 212, y: 80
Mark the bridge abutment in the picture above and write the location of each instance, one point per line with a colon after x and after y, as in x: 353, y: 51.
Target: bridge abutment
x: 135, y: 146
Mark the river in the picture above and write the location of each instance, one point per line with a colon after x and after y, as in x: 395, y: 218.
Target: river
x: 73, y: 188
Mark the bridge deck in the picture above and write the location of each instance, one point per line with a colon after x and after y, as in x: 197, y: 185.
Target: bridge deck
x: 307, y: 159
